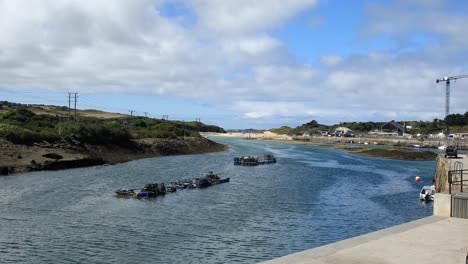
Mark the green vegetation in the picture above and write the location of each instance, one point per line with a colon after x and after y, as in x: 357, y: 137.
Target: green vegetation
x: 284, y: 130
x: 312, y: 127
x: 21, y: 125
x: 457, y: 123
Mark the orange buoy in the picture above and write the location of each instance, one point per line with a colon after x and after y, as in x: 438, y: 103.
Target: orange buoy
x: 417, y: 179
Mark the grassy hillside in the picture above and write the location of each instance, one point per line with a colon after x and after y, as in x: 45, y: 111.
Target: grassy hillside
x: 29, y: 124
x: 284, y: 130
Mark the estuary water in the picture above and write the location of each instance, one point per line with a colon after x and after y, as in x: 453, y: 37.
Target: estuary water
x: 311, y: 197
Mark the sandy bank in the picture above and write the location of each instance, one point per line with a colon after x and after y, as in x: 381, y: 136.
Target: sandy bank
x: 267, y: 135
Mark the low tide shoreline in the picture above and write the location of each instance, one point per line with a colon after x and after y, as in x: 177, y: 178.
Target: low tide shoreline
x: 374, y: 151
x: 16, y: 158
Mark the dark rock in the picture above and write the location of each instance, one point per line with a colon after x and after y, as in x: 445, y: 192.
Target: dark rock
x: 68, y: 164
x: 5, y: 170
x: 54, y: 156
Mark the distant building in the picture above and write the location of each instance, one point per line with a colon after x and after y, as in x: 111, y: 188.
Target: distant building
x: 392, y: 127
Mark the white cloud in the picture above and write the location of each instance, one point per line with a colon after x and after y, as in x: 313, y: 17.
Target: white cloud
x: 259, y: 109
x: 404, y: 19
x: 331, y: 60
x: 240, y: 17
x: 229, y: 56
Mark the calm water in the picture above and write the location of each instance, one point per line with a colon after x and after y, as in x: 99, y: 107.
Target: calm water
x: 312, y: 196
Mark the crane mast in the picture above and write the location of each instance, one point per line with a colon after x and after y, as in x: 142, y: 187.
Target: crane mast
x: 447, y: 93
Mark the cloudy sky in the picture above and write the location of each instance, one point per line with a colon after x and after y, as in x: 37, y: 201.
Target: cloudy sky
x: 238, y: 63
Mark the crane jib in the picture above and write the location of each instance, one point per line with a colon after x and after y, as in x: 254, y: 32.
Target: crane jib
x: 448, y: 79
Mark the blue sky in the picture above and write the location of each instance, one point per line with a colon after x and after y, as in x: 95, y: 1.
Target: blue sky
x: 238, y: 63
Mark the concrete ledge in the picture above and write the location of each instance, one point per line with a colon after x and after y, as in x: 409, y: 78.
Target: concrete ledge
x: 442, y: 204
x: 428, y: 240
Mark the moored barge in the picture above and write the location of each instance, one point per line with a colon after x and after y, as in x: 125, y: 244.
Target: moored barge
x: 255, y: 160
x: 156, y: 189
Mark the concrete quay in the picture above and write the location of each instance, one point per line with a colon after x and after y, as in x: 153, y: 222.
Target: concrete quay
x: 429, y: 240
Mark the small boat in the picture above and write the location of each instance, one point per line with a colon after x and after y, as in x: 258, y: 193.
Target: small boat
x: 246, y: 161
x: 146, y: 194
x: 224, y: 180
x: 427, y: 193
x: 125, y: 192
x: 171, y: 188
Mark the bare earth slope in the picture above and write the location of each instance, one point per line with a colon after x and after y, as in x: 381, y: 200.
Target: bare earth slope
x: 16, y: 158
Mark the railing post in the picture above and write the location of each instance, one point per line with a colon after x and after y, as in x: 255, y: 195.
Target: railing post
x: 450, y: 181
x: 461, y: 181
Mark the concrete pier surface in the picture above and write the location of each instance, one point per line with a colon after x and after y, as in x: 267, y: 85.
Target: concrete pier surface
x: 429, y: 240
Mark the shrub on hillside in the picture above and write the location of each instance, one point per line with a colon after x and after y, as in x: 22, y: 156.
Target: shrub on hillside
x: 20, y: 115
x: 21, y: 135
x: 95, y: 133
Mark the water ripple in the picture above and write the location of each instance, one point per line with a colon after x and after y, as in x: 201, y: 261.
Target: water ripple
x: 313, y: 196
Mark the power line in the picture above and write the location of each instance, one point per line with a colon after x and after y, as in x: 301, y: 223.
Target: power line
x: 86, y: 102
x: 36, y: 97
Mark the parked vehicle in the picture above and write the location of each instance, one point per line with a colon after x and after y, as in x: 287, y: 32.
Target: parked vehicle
x: 451, y: 151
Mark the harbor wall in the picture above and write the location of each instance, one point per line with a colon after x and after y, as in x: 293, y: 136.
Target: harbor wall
x: 456, y: 203
x: 441, y: 174
x: 442, y: 204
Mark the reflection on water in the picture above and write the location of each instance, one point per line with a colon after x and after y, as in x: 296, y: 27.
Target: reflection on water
x: 311, y: 197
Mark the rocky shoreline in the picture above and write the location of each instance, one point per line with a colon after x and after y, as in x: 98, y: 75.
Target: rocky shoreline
x: 16, y: 158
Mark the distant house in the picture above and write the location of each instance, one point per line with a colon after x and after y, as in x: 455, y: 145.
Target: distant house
x: 324, y: 133
x: 392, y: 127
x: 338, y: 133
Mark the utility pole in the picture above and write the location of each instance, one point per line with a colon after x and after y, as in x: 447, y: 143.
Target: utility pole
x: 131, y: 113
x: 165, y: 117
x: 146, y: 114
x: 69, y: 105
x: 184, y: 128
x: 75, y: 98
